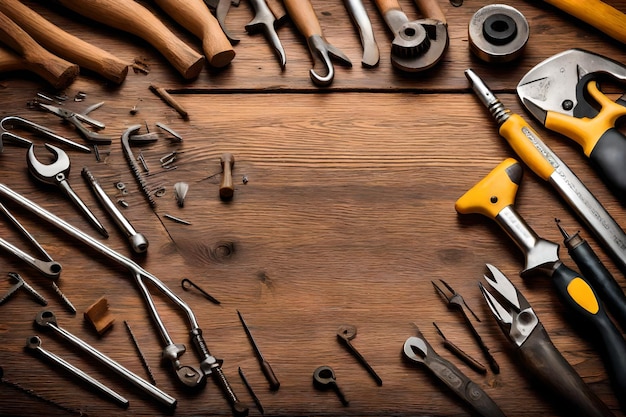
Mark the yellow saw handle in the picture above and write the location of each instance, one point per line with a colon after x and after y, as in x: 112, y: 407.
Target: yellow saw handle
x: 596, y: 13
x: 494, y: 192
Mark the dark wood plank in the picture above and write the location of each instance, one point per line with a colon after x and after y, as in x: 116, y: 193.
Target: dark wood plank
x: 346, y: 217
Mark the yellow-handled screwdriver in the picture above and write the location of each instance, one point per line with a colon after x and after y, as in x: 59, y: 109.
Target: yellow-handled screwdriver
x: 494, y: 197
x: 545, y: 163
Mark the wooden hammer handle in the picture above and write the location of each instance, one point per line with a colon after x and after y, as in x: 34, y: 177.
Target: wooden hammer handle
x: 132, y: 17
x: 596, y: 13
x: 431, y: 9
x: 58, y: 72
x: 303, y: 16
x: 196, y: 17
x: 64, y: 44
x: 385, y: 6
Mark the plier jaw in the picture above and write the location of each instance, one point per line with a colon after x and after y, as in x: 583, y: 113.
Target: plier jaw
x: 514, y: 315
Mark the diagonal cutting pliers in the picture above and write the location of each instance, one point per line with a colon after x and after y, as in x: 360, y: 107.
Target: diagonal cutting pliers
x: 520, y: 324
x: 77, y: 119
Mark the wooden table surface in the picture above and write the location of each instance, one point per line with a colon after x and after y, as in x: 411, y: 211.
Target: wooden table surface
x: 346, y: 218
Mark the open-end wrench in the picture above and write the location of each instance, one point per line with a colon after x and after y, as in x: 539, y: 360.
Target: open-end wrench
x: 57, y: 173
x: 264, y: 21
x: 371, y: 55
x: 33, y: 344
x: 209, y: 364
x: 419, y: 44
x: 345, y: 334
x: 305, y: 19
x: 47, y: 319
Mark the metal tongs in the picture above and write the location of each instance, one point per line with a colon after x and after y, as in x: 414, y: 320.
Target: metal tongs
x: 521, y: 325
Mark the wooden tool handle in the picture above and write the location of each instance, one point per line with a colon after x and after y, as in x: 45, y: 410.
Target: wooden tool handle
x: 304, y: 17
x: 431, y: 9
x: 196, y: 17
x: 227, y: 189
x: 58, y: 72
x: 596, y: 13
x: 384, y: 6
x: 10, y: 61
x: 131, y: 17
x: 64, y: 44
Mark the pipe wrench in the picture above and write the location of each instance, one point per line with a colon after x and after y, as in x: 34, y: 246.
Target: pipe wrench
x: 520, y: 324
x: 494, y: 197
x: 562, y: 93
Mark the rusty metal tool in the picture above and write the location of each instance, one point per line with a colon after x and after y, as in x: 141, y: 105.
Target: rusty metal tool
x: 194, y: 16
x: 358, y: 14
x: 598, y: 14
x: 16, y: 121
x: 35, y: 58
x: 345, y: 334
x: 265, y: 365
x: 57, y: 173
x: 47, y: 320
x: 417, y: 350
x: 265, y: 22
x: 460, y: 353
x: 142, y: 357
x: 21, y: 283
x: 64, y: 299
x: 592, y: 267
x: 187, y: 375
x: 220, y: 9
x: 186, y: 283
x: 132, y: 17
x: 549, y: 167
x: 132, y: 161
x: 46, y: 266
x: 33, y: 344
x: 77, y: 119
x: 324, y: 378
x: 494, y: 197
x: 138, y: 242
x: 304, y: 17
x: 563, y: 94
x: 255, y: 398
x: 519, y: 322
x: 65, y: 45
x: 418, y: 44
x: 455, y: 301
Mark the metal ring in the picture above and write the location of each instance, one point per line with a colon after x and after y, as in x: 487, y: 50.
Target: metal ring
x: 498, y: 33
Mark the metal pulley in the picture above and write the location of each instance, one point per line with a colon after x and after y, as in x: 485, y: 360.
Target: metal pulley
x: 498, y: 33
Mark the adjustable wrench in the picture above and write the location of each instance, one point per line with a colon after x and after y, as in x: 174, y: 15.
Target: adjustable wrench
x: 419, y: 44
x: 494, y: 197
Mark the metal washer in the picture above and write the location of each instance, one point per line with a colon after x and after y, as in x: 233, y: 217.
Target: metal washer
x: 498, y: 33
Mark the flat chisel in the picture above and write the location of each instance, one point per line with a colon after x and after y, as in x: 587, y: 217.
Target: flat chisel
x: 540, y: 158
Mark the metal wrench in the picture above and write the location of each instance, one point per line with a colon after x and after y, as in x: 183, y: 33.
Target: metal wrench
x: 14, y: 121
x: 305, y: 19
x: 345, y: 334
x: 47, y: 319
x: 34, y: 345
x: 209, y: 365
x: 265, y: 21
x: 56, y: 174
x: 371, y: 55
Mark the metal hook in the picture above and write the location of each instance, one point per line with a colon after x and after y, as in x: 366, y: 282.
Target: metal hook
x: 322, y: 52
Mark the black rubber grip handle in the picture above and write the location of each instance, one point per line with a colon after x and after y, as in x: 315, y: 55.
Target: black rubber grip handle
x: 269, y: 374
x: 546, y: 363
x: 608, y: 158
x: 582, y: 300
x: 603, y: 282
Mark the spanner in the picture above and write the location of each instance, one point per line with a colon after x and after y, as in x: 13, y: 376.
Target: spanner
x: 47, y: 319
x: 34, y: 344
x: 57, y: 173
x: 345, y: 334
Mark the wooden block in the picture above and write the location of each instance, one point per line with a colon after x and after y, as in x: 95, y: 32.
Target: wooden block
x: 99, y: 316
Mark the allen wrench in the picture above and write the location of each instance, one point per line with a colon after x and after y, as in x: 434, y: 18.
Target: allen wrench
x: 209, y: 364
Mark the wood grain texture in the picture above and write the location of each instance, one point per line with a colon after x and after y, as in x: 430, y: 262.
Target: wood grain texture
x: 346, y: 216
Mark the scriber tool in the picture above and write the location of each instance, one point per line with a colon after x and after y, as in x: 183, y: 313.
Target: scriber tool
x: 520, y: 324
x: 265, y: 365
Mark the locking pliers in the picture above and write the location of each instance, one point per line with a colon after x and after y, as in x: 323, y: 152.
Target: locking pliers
x: 520, y: 324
